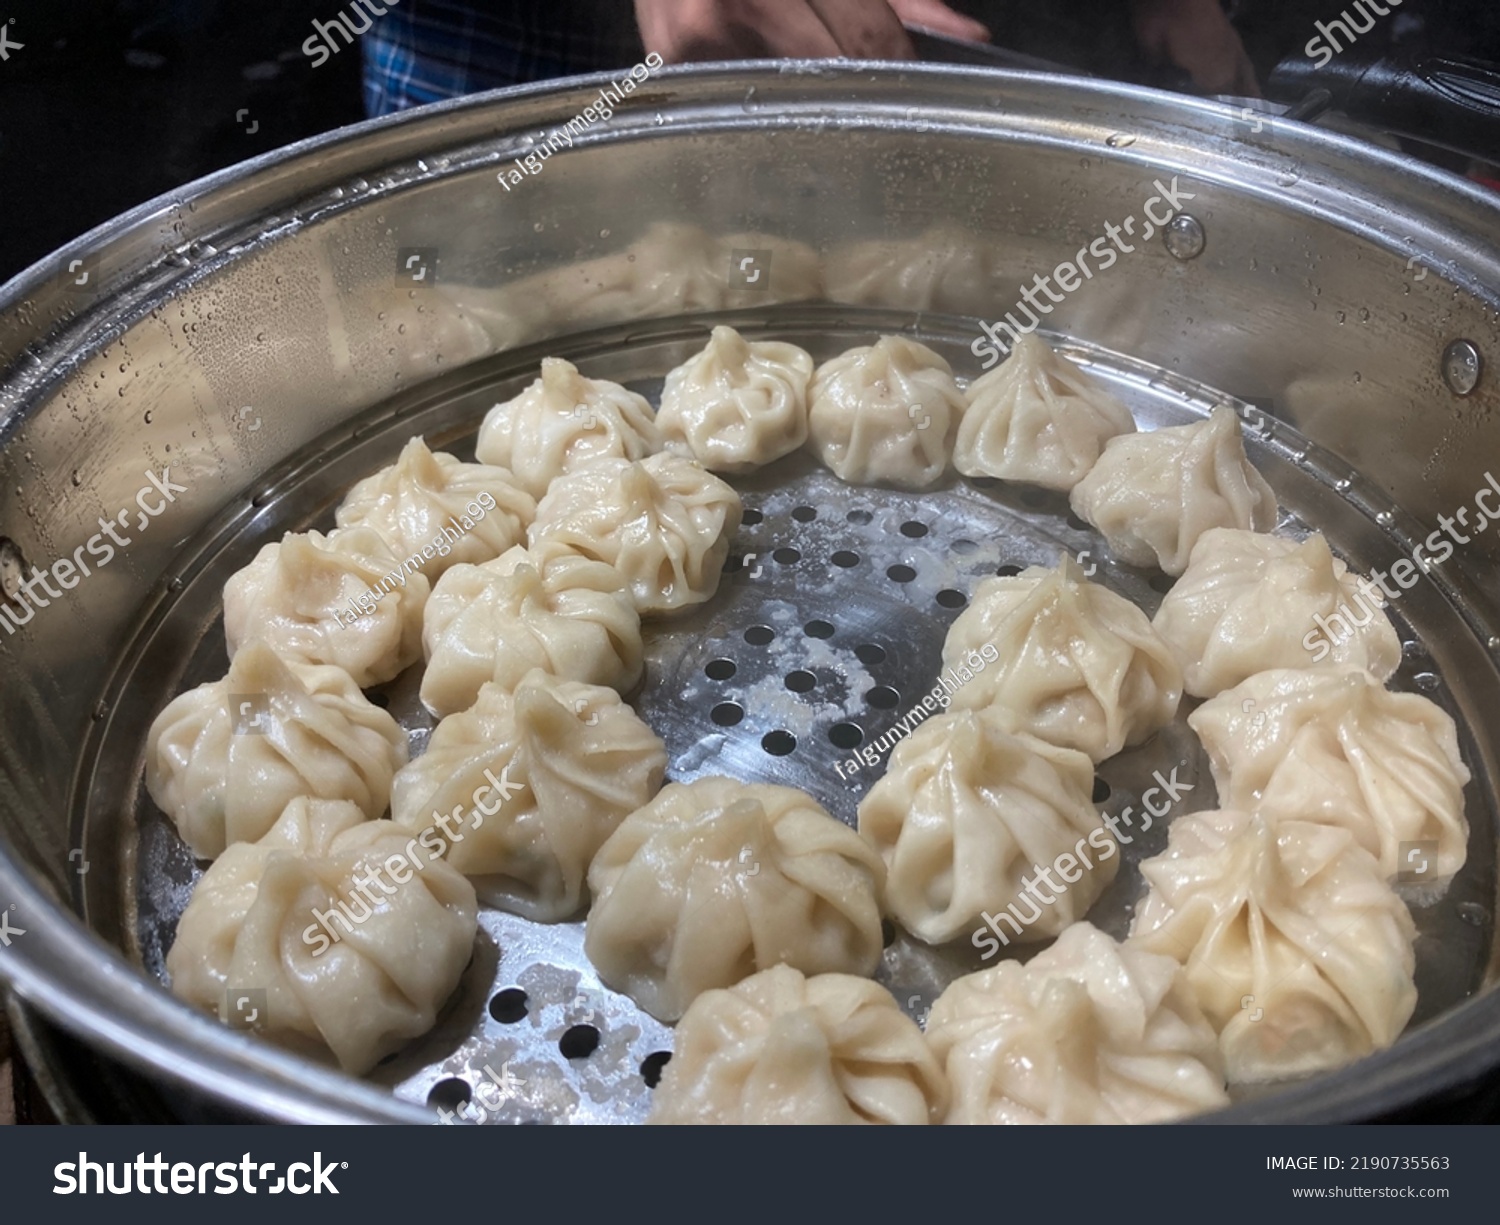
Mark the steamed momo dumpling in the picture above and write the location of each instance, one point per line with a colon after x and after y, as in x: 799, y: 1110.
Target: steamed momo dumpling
x: 1088, y: 1031
x: 342, y: 599
x: 716, y: 879
x: 223, y: 760
x: 1038, y: 419
x: 1297, y: 950
x: 1079, y: 666
x: 663, y: 522
x: 1154, y: 495
x: 575, y: 759
x: 440, y: 510
x: 967, y: 811
x: 780, y: 1047
x: 545, y: 607
x: 797, y: 274
x: 737, y: 405
x: 357, y: 933
x: 563, y: 422
x: 885, y: 413
x: 1248, y: 602
x: 670, y: 269
x: 945, y: 269
x: 1339, y: 749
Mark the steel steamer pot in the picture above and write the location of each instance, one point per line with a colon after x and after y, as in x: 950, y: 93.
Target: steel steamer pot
x: 254, y: 331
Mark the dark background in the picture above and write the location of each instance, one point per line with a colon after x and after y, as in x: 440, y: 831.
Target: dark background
x: 110, y: 103
x: 113, y: 102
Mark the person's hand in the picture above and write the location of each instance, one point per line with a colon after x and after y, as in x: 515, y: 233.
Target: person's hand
x: 1197, y: 37
x: 684, y: 30
x: 935, y: 15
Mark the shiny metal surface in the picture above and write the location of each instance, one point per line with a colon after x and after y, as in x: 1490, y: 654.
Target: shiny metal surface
x: 252, y: 335
x: 829, y: 625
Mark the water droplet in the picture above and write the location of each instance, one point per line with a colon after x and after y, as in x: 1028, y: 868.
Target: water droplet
x: 358, y: 186
x: 1184, y: 237
x: 537, y: 226
x: 381, y: 315
x: 1428, y: 681
x: 76, y: 479
x: 1339, y: 315
x: 1343, y: 484
x: 1473, y: 914
x: 1288, y: 176
x: 1364, y: 314
x: 1119, y: 140
x: 1084, y: 162
x: 1385, y: 518
x: 1462, y: 366
x: 1494, y: 643
x: 401, y: 327
x: 603, y: 233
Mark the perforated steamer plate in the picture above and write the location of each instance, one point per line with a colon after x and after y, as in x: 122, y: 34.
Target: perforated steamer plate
x: 826, y: 630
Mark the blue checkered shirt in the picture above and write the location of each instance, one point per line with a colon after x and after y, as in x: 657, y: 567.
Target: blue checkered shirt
x: 427, y: 50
